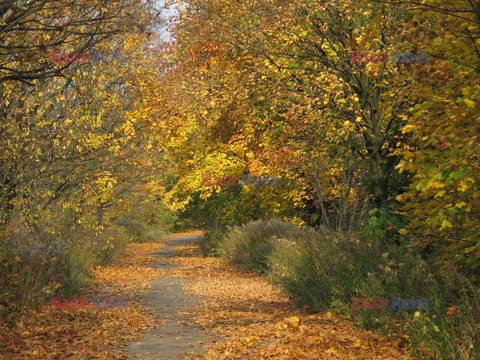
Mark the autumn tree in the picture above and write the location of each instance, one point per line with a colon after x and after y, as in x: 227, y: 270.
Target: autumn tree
x: 75, y: 138
x: 276, y: 80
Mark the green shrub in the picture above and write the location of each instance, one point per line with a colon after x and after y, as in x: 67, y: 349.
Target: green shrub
x: 210, y: 241
x: 109, y: 244
x: 447, y: 336
x: 30, y: 273
x: 134, y: 228
x: 401, y: 272
x: 293, y: 268
x: 251, y: 244
x: 317, y: 268
x: 383, y: 225
x: 137, y: 231
x: 155, y: 215
x: 80, y: 261
x: 53, y: 252
x: 147, y: 221
x: 324, y: 271
x: 34, y: 264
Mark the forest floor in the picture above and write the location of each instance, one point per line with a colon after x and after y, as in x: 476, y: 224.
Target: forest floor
x: 182, y: 305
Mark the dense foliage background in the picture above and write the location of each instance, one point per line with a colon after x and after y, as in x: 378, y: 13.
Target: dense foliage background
x: 382, y: 159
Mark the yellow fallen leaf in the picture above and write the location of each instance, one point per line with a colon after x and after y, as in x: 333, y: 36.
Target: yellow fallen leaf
x: 357, y: 343
x: 294, y: 320
x: 332, y: 351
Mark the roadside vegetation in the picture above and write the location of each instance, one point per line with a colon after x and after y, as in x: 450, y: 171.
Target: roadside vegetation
x: 323, y: 270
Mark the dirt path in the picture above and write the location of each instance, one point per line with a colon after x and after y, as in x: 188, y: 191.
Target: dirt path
x: 175, y: 338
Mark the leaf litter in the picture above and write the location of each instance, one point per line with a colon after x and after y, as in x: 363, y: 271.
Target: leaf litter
x: 253, y: 319
x: 257, y: 321
x: 46, y: 333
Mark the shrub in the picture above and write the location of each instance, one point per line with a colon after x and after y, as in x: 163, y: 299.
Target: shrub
x: 53, y: 251
x: 317, y: 268
x: 134, y: 228
x: 155, y: 215
x: 292, y: 267
x: 251, y: 244
x: 77, y: 272
x: 322, y: 270
x: 34, y: 265
x: 110, y: 243
x: 383, y: 225
x: 210, y: 241
x: 449, y: 329
x: 147, y: 221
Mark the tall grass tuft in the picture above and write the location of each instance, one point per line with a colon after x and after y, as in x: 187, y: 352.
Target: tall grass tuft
x: 251, y: 244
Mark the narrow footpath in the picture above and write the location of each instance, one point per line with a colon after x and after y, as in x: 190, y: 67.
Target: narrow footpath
x: 175, y: 339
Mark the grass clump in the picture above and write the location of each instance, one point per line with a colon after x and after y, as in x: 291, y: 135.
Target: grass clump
x: 210, y: 242
x: 250, y: 245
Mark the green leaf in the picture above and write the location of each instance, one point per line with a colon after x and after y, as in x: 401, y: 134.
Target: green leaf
x: 458, y: 174
x: 452, y: 210
x: 446, y: 224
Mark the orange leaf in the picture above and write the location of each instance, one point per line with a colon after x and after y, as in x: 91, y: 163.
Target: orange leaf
x: 452, y: 311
